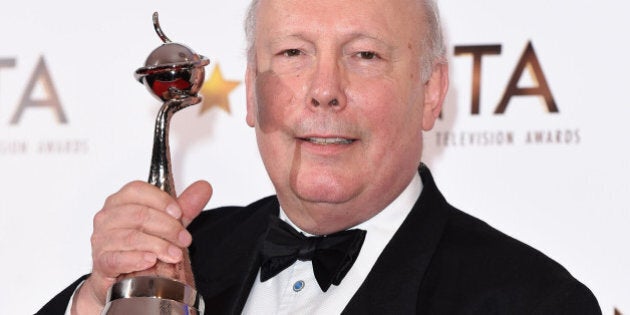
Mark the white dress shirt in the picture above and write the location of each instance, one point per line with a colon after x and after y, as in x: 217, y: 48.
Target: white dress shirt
x: 295, y: 290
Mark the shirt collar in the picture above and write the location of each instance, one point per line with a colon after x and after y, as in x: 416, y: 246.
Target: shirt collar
x: 389, y: 219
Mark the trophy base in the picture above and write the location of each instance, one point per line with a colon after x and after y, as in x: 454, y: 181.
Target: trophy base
x: 144, y: 305
x: 153, y: 295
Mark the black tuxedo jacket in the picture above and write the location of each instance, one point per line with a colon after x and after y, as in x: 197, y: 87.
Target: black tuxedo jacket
x: 440, y: 261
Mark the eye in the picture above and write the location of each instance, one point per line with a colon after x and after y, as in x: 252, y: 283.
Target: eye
x: 291, y: 52
x: 368, y: 55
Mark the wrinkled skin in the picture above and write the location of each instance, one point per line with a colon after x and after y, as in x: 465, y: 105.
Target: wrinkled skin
x: 336, y: 96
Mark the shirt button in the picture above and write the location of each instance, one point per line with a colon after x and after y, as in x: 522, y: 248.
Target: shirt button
x: 298, y: 286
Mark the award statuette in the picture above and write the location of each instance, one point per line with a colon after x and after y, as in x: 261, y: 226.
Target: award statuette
x: 173, y: 73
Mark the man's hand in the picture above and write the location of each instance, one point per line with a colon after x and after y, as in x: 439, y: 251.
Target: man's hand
x: 137, y: 226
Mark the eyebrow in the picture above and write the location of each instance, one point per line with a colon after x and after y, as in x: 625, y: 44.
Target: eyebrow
x: 347, y: 38
x: 277, y: 39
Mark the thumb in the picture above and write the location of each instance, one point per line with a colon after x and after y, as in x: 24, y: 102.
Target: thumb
x: 193, y: 200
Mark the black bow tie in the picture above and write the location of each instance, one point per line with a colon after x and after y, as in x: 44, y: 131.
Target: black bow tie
x: 332, y: 255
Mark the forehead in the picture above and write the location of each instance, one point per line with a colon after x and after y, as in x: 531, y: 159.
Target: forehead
x: 393, y: 19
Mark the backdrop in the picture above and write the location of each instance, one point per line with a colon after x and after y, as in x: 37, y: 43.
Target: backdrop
x: 532, y: 139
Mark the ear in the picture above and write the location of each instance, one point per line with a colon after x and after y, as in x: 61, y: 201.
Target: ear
x: 250, y: 88
x: 434, y: 93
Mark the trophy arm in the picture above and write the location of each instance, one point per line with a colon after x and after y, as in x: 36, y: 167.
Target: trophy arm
x: 160, y: 173
x: 161, y: 176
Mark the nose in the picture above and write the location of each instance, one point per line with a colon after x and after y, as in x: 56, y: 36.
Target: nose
x: 327, y: 86
x: 333, y: 102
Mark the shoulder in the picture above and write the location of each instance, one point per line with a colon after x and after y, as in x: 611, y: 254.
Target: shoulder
x: 468, y: 239
x: 497, y: 271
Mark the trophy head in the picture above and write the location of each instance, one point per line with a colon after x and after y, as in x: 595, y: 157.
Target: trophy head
x: 172, y: 70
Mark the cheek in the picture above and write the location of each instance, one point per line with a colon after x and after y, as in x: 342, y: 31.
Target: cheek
x: 274, y: 99
x: 393, y: 115
x: 386, y: 104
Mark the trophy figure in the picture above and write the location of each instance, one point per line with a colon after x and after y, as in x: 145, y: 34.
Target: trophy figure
x: 174, y: 74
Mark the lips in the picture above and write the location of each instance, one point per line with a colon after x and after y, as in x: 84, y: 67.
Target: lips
x: 328, y: 141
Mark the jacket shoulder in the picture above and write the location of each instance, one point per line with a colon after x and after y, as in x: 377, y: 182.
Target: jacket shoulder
x: 495, y: 272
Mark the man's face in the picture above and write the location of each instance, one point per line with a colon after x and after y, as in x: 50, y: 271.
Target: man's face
x: 337, y: 99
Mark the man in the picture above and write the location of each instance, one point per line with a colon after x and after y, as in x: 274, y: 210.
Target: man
x: 339, y: 93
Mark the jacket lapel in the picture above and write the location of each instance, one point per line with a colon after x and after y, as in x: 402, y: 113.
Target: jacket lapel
x: 392, y: 285
x: 226, y: 261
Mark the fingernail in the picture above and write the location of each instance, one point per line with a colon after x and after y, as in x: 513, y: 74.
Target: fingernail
x: 184, y: 238
x: 174, y: 211
x: 175, y: 252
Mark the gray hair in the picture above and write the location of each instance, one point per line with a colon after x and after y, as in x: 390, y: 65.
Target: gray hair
x: 432, y: 42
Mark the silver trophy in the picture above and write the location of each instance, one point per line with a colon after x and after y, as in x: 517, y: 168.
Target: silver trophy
x: 173, y: 73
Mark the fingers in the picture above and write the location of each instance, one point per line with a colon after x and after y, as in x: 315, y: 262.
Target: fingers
x: 142, y: 193
x: 193, y: 200
x: 114, y: 252
x: 110, y: 261
x: 136, y: 227
x: 139, y: 225
x: 138, y: 218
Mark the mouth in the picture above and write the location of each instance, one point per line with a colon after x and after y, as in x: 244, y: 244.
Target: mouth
x: 328, y: 141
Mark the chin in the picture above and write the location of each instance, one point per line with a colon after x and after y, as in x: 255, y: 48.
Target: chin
x: 327, y: 193
x: 323, y: 196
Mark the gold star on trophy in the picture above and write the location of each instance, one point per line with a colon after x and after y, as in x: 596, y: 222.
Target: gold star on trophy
x: 216, y: 90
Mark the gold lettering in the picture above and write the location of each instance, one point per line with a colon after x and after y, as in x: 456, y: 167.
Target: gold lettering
x: 477, y: 52
x: 528, y: 60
